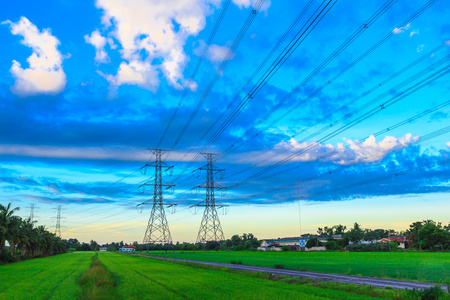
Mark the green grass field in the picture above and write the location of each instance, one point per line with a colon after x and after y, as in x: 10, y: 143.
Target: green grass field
x: 416, y: 266
x: 58, y: 277
x: 143, y: 278
x: 52, y: 277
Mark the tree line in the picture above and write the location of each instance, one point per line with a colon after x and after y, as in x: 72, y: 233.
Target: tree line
x: 421, y: 235
x: 25, y: 239
x: 246, y: 241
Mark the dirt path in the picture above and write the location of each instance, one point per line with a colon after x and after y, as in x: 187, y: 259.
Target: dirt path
x: 376, y: 282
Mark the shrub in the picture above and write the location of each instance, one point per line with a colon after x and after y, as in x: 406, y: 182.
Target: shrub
x: 372, y: 247
x: 236, y: 262
x: 279, y: 266
x: 6, y: 257
x: 331, y: 245
x: 430, y: 293
x: 314, y: 242
x: 284, y: 248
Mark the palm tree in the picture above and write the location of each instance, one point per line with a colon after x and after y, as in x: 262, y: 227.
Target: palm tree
x: 22, y: 234
x: 6, y: 217
x: 14, y: 232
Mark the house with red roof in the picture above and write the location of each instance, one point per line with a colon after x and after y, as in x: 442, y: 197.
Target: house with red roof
x: 399, y: 239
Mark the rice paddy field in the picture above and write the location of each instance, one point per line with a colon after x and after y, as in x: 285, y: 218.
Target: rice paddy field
x: 52, y: 277
x: 104, y: 275
x: 415, y: 266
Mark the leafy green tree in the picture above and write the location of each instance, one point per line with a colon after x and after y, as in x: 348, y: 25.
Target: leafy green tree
x: 355, y: 234
x: 371, y: 235
x: 331, y: 245
x: 236, y: 240
x: 412, y: 234
x: 432, y: 234
x: 339, y: 229
x: 314, y: 242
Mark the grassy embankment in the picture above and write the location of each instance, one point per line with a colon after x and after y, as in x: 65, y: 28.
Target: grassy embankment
x: 415, y: 266
x: 97, y: 282
x: 53, y: 277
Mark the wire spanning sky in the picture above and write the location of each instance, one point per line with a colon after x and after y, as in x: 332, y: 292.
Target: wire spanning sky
x: 342, y: 104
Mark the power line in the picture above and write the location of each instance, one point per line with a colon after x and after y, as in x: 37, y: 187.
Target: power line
x: 306, y: 29
x: 328, y: 172
x: 401, y: 95
x: 196, y: 68
x: 222, y: 66
x: 302, y: 84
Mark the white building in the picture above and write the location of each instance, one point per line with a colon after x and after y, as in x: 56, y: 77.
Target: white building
x: 127, y: 248
x: 103, y: 249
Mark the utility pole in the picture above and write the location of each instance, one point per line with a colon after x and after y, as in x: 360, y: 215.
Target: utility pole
x: 157, y: 229
x: 58, y: 222
x: 210, y: 228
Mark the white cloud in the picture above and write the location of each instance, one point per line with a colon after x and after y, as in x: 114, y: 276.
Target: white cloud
x: 448, y: 144
x: 247, y: 3
x: 99, y: 42
x: 218, y: 53
x: 215, y: 53
x: 152, y: 35
x: 401, y: 29
x: 88, y: 153
x: 413, y: 33
x: 355, y: 152
x: 420, y: 48
x: 45, y: 74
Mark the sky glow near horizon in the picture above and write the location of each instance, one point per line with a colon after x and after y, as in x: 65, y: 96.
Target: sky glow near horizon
x: 87, y: 87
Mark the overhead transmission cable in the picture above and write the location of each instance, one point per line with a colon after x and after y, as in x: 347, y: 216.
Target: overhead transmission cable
x: 196, y: 68
x: 222, y: 66
x: 327, y: 83
x: 428, y: 80
x: 328, y: 172
x: 306, y: 29
x: 361, y: 107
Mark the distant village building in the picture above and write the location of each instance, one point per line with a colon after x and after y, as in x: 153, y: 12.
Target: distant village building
x: 127, y: 248
x: 295, y: 243
x: 399, y: 239
x: 103, y: 249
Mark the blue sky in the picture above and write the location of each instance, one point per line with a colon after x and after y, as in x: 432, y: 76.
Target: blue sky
x: 362, y: 95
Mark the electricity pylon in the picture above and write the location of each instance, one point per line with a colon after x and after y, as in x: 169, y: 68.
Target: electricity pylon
x: 157, y: 229
x: 58, y: 222
x: 210, y: 228
x: 32, y: 212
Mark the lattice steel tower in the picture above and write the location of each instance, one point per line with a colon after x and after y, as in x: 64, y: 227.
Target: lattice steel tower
x: 58, y: 222
x: 158, y: 229
x: 210, y: 228
x: 31, y: 212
